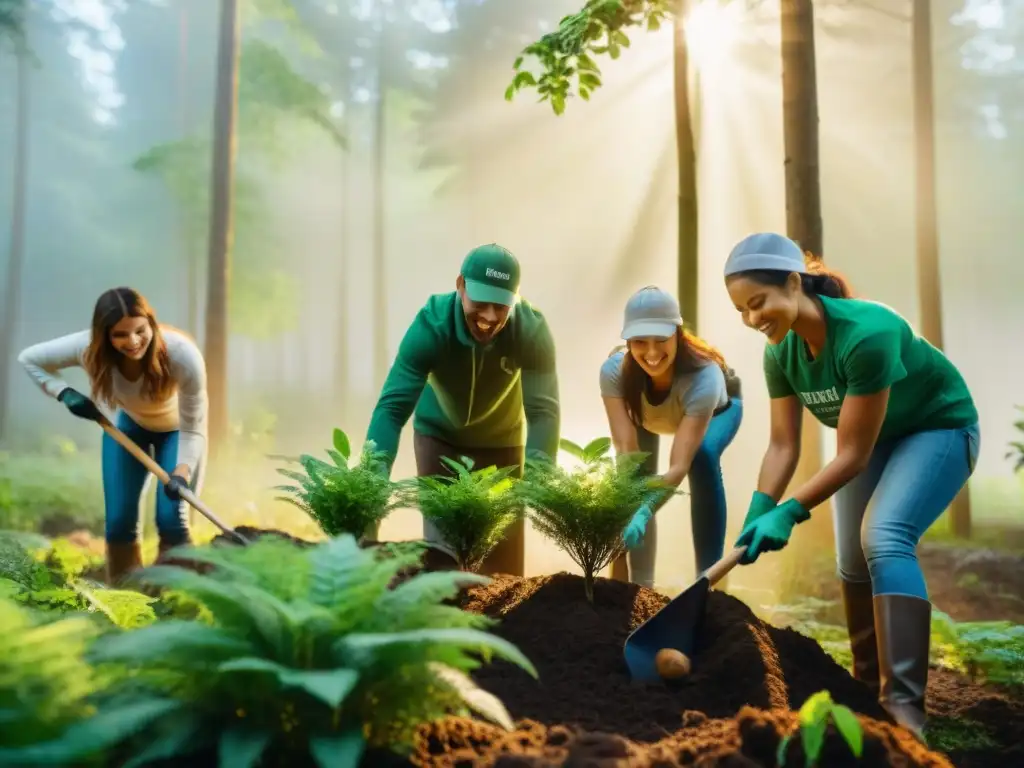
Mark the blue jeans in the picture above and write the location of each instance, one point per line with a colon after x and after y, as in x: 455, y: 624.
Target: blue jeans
x: 124, y: 478
x: 908, y: 482
x: 707, y: 496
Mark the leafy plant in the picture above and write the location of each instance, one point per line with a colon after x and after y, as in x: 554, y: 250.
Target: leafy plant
x: 567, y: 53
x: 987, y: 651
x: 342, y: 498
x: 584, y: 510
x: 310, y: 657
x: 1016, y: 451
x: 471, y: 510
x: 49, y: 578
x: 48, y: 692
x: 815, y: 715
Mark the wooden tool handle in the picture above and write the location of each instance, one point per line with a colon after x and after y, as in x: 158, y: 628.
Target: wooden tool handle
x: 718, y: 571
x: 149, y: 463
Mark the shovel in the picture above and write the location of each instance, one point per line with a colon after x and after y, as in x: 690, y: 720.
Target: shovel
x: 147, y: 461
x: 676, y: 625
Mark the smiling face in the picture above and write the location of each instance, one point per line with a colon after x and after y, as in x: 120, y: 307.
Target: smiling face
x: 131, y: 336
x: 770, y: 309
x: 485, y: 320
x: 654, y: 354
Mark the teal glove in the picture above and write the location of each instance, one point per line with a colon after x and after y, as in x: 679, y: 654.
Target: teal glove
x: 771, y: 531
x: 759, y: 505
x: 634, y: 532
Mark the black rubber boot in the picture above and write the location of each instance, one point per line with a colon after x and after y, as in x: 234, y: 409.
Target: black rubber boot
x: 903, y: 623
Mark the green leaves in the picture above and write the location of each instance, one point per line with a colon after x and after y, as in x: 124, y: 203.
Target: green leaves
x: 815, y: 715
x: 341, y: 444
x: 566, y: 54
x: 330, y: 686
x: 342, y: 498
x: 45, y: 684
x: 471, y: 510
x: 987, y: 651
x: 584, y: 510
x: 593, y: 453
x: 325, y: 664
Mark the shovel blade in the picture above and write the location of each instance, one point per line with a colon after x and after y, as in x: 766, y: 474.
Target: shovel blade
x: 674, y: 626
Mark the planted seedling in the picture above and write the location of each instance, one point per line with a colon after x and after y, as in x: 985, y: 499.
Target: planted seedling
x: 471, y: 509
x: 339, y: 497
x: 815, y: 715
x: 585, y: 509
x: 308, y: 658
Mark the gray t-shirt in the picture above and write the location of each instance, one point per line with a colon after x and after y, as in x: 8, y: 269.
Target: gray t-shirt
x: 694, y: 394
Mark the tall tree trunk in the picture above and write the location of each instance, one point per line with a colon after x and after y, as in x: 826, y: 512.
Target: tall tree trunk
x: 929, y: 289
x: 341, y: 382
x: 688, y: 288
x: 221, y: 235
x: 190, y: 256
x: 16, y: 253
x: 803, y: 205
x: 380, y: 296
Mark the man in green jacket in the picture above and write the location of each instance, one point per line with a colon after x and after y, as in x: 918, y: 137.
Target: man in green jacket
x: 477, y: 366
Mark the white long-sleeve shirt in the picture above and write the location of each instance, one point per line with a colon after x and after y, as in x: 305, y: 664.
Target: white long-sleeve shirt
x: 185, y: 410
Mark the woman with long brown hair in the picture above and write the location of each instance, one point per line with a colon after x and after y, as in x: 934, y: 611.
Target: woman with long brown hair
x: 669, y: 382
x: 155, y: 377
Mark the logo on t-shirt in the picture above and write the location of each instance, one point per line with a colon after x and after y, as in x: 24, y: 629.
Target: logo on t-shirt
x: 824, y: 403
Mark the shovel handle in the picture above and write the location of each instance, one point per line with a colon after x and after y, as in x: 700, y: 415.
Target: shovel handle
x: 147, y: 461
x: 718, y: 571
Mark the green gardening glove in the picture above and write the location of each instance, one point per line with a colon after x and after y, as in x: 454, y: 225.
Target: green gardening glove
x: 759, y: 505
x: 771, y: 531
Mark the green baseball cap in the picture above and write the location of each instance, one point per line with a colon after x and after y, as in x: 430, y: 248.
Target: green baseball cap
x: 491, y: 274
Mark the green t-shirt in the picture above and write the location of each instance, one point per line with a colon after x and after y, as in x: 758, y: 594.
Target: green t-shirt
x: 869, y: 347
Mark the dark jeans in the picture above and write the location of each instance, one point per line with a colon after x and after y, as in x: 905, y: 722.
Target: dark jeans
x: 509, y: 555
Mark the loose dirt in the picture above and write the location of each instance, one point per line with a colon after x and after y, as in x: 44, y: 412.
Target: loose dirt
x: 733, y: 710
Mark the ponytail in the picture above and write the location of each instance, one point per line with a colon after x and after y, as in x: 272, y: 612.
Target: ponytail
x: 823, y: 281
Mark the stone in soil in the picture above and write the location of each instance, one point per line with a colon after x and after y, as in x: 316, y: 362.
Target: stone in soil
x: 739, y: 701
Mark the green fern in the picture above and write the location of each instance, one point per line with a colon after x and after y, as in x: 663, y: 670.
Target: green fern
x: 584, y: 510
x: 48, y: 692
x: 342, y: 499
x: 471, y: 510
x: 988, y: 651
x: 48, y: 578
x: 316, y: 665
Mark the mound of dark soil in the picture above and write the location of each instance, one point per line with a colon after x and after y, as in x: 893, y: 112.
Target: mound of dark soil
x: 577, y: 649
x: 254, y: 534
x: 732, y: 709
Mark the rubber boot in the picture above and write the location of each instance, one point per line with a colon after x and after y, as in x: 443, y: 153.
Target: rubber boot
x: 903, y: 623
x: 860, y: 624
x: 121, y: 559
